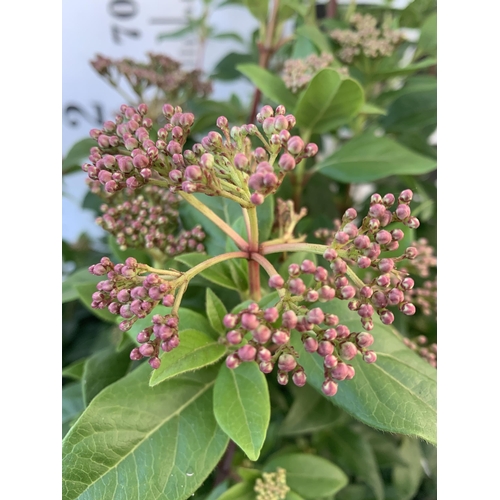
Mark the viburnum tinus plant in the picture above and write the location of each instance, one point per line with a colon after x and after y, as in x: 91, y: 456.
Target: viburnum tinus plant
x: 266, y: 294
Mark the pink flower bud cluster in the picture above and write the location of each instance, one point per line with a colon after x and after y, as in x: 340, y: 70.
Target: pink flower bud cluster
x: 220, y: 165
x: 160, y: 75
x: 149, y: 220
x: 127, y: 292
x: 297, y: 73
x: 264, y: 336
x: 366, y: 39
x: 265, y: 178
x: 164, y: 335
x: 126, y: 156
x: 363, y: 245
x: 423, y: 348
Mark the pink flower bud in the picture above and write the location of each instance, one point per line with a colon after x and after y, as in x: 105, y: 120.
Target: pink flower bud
x: 406, y: 308
x: 340, y: 371
x: 330, y: 361
x: 233, y: 361
x: 266, y: 366
x: 330, y: 254
x: 403, y: 212
x: 135, y: 354
x: 369, y: 357
x: 364, y: 339
x: 348, y: 350
x: 325, y: 348
x: 289, y: 320
x: 299, y: 378
x: 234, y: 337
x: 257, y: 198
x: 286, y: 362
x: 329, y: 388
x: 295, y: 145
x: 310, y: 344
x: 276, y: 281
x: 281, y: 337
x: 271, y: 314
x: 249, y: 321
x: 261, y: 334
x: 230, y: 320
x: 282, y: 378
x: 247, y: 352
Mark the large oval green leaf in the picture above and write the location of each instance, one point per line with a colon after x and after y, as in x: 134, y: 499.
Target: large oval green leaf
x: 270, y: 85
x: 195, y: 350
x: 308, y: 475
x: 395, y: 394
x: 328, y: 102
x: 148, y: 443
x: 242, y: 407
x: 369, y: 158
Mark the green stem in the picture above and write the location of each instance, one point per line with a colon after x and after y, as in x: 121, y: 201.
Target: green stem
x: 253, y: 266
x: 178, y: 298
x: 209, y: 214
x: 307, y: 247
x: 293, y: 247
x: 189, y: 275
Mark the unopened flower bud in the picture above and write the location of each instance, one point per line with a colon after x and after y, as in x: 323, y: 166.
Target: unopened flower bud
x: 310, y: 344
x: 247, y: 352
x: 233, y: 361
x: 281, y: 337
x: 369, y: 357
x: 299, y: 378
x: 329, y: 388
x: 276, y: 281
x: 286, y: 362
x: 348, y: 350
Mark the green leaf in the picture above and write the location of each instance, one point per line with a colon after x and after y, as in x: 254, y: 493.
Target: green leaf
x: 103, y: 368
x: 216, y: 311
x: 72, y: 405
x: 371, y: 109
x: 220, y: 273
x: 258, y: 9
x: 427, y: 44
x: 135, y: 441
x: 178, y: 33
x: 309, y: 413
x: 308, y: 475
x: 316, y: 36
x: 406, y: 70
x: 85, y: 291
x: 195, y: 350
x: 397, y: 393
x: 369, y: 158
x: 353, y: 452
x: 228, y: 36
x: 328, y: 102
x: 81, y: 276
x: 407, y: 478
x: 226, y: 67
x: 297, y: 5
x: 78, y: 153
x: 412, y: 112
x: 242, y: 407
x: 270, y: 85
x: 75, y: 370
